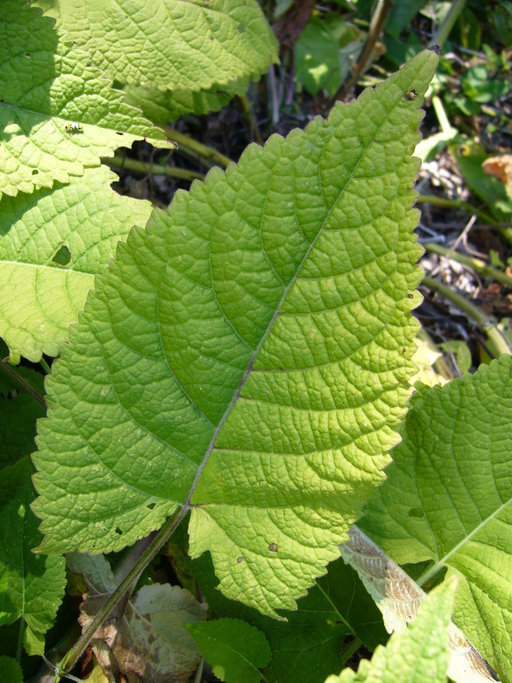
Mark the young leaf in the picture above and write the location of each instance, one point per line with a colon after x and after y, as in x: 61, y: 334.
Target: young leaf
x: 448, y: 498
x: 249, y: 355
x: 81, y: 223
x: 32, y: 585
x: 45, y: 84
x: 236, y: 650
x: 170, y: 44
x: 418, y: 654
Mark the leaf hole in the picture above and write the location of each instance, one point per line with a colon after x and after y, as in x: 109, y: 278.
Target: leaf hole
x: 239, y: 560
x: 119, y: 132
x: 410, y: 95
x: 62, y: 256
x: 118, y: 531
x: 151, y: 506
x: 273, y: 547
x: 241, y: 28
x: 35, y: 171
x: 28, y: 55
x: 415, y: 512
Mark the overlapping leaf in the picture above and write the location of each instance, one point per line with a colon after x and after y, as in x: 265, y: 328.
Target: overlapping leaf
x: 449, y: 499
x: 170, y: 44
x: 52, y: 244
x: 417, y: 655
x: 252, y: 347
x: 46, y: 82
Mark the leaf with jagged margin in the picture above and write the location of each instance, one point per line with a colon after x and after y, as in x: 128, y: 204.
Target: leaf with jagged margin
x: 78, y: 224
x: 448, y: 499
x: 46, y: 83
x: 417, y: 655
x: 19, y: 411
x: 260, y: 327
x: 235, y: 649
x: 149, y: 641
x: 399, y: 598
x: 170, y: 44
x: 31, y: 586
x: 166, y: 106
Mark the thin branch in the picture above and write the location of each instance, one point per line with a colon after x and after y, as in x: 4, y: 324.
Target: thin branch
x: 376, y: 26
x: 204, y: 154
x: 11, y: 372
x: 148, y: 168
x: 477, y: 264
x: 455, y: 204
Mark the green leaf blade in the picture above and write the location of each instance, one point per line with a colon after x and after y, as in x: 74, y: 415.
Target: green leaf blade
x: 449, y: 494
x: 252, y: 348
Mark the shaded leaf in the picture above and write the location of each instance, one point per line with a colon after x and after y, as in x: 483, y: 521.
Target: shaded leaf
x: 10, y: 670
x: 31, y: 586
x: 236, y: 650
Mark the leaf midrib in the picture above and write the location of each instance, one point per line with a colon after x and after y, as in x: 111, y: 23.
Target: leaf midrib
x: 292, y: 282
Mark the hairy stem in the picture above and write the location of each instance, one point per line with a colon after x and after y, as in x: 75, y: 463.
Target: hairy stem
x: 196, y: 150
x: 485, y: 324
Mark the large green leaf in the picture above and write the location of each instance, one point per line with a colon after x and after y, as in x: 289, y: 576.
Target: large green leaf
x: 417, y: 655
x: 448, y: 499
x: 170, y: 44
x: 249, y: 355
x: 52, y: 244
x: 45, y: 83
x: 31, y: 586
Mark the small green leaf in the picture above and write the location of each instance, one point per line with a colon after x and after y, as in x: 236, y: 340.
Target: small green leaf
x: 454, y: 464
x: 82, y: 222
x: 417, y: 655
x: 235, y: 649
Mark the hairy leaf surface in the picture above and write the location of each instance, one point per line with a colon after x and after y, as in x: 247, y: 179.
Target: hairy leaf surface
x: 45, y: 84
x: 449, y: 499
x: 417, y: 655
x: 249, y: 352
x: 170, y: 44
x: 52, y: 244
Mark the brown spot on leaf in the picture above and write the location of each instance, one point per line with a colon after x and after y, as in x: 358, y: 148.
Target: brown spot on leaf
x: 273, y: 547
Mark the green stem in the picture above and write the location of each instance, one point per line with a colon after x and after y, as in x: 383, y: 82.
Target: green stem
x: 74, y: 654
x: 45, y: 366
x: 374, y: 31
x: 197, y: 150
x: 250, y: 120
x: 477, y: 264
x: 456, y: 204
x: 148, y: 168
x: 350, y: 650
x: 442, y: 116
x: 444, y: 30
x: 8, y: 370
x: 485, y: 324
